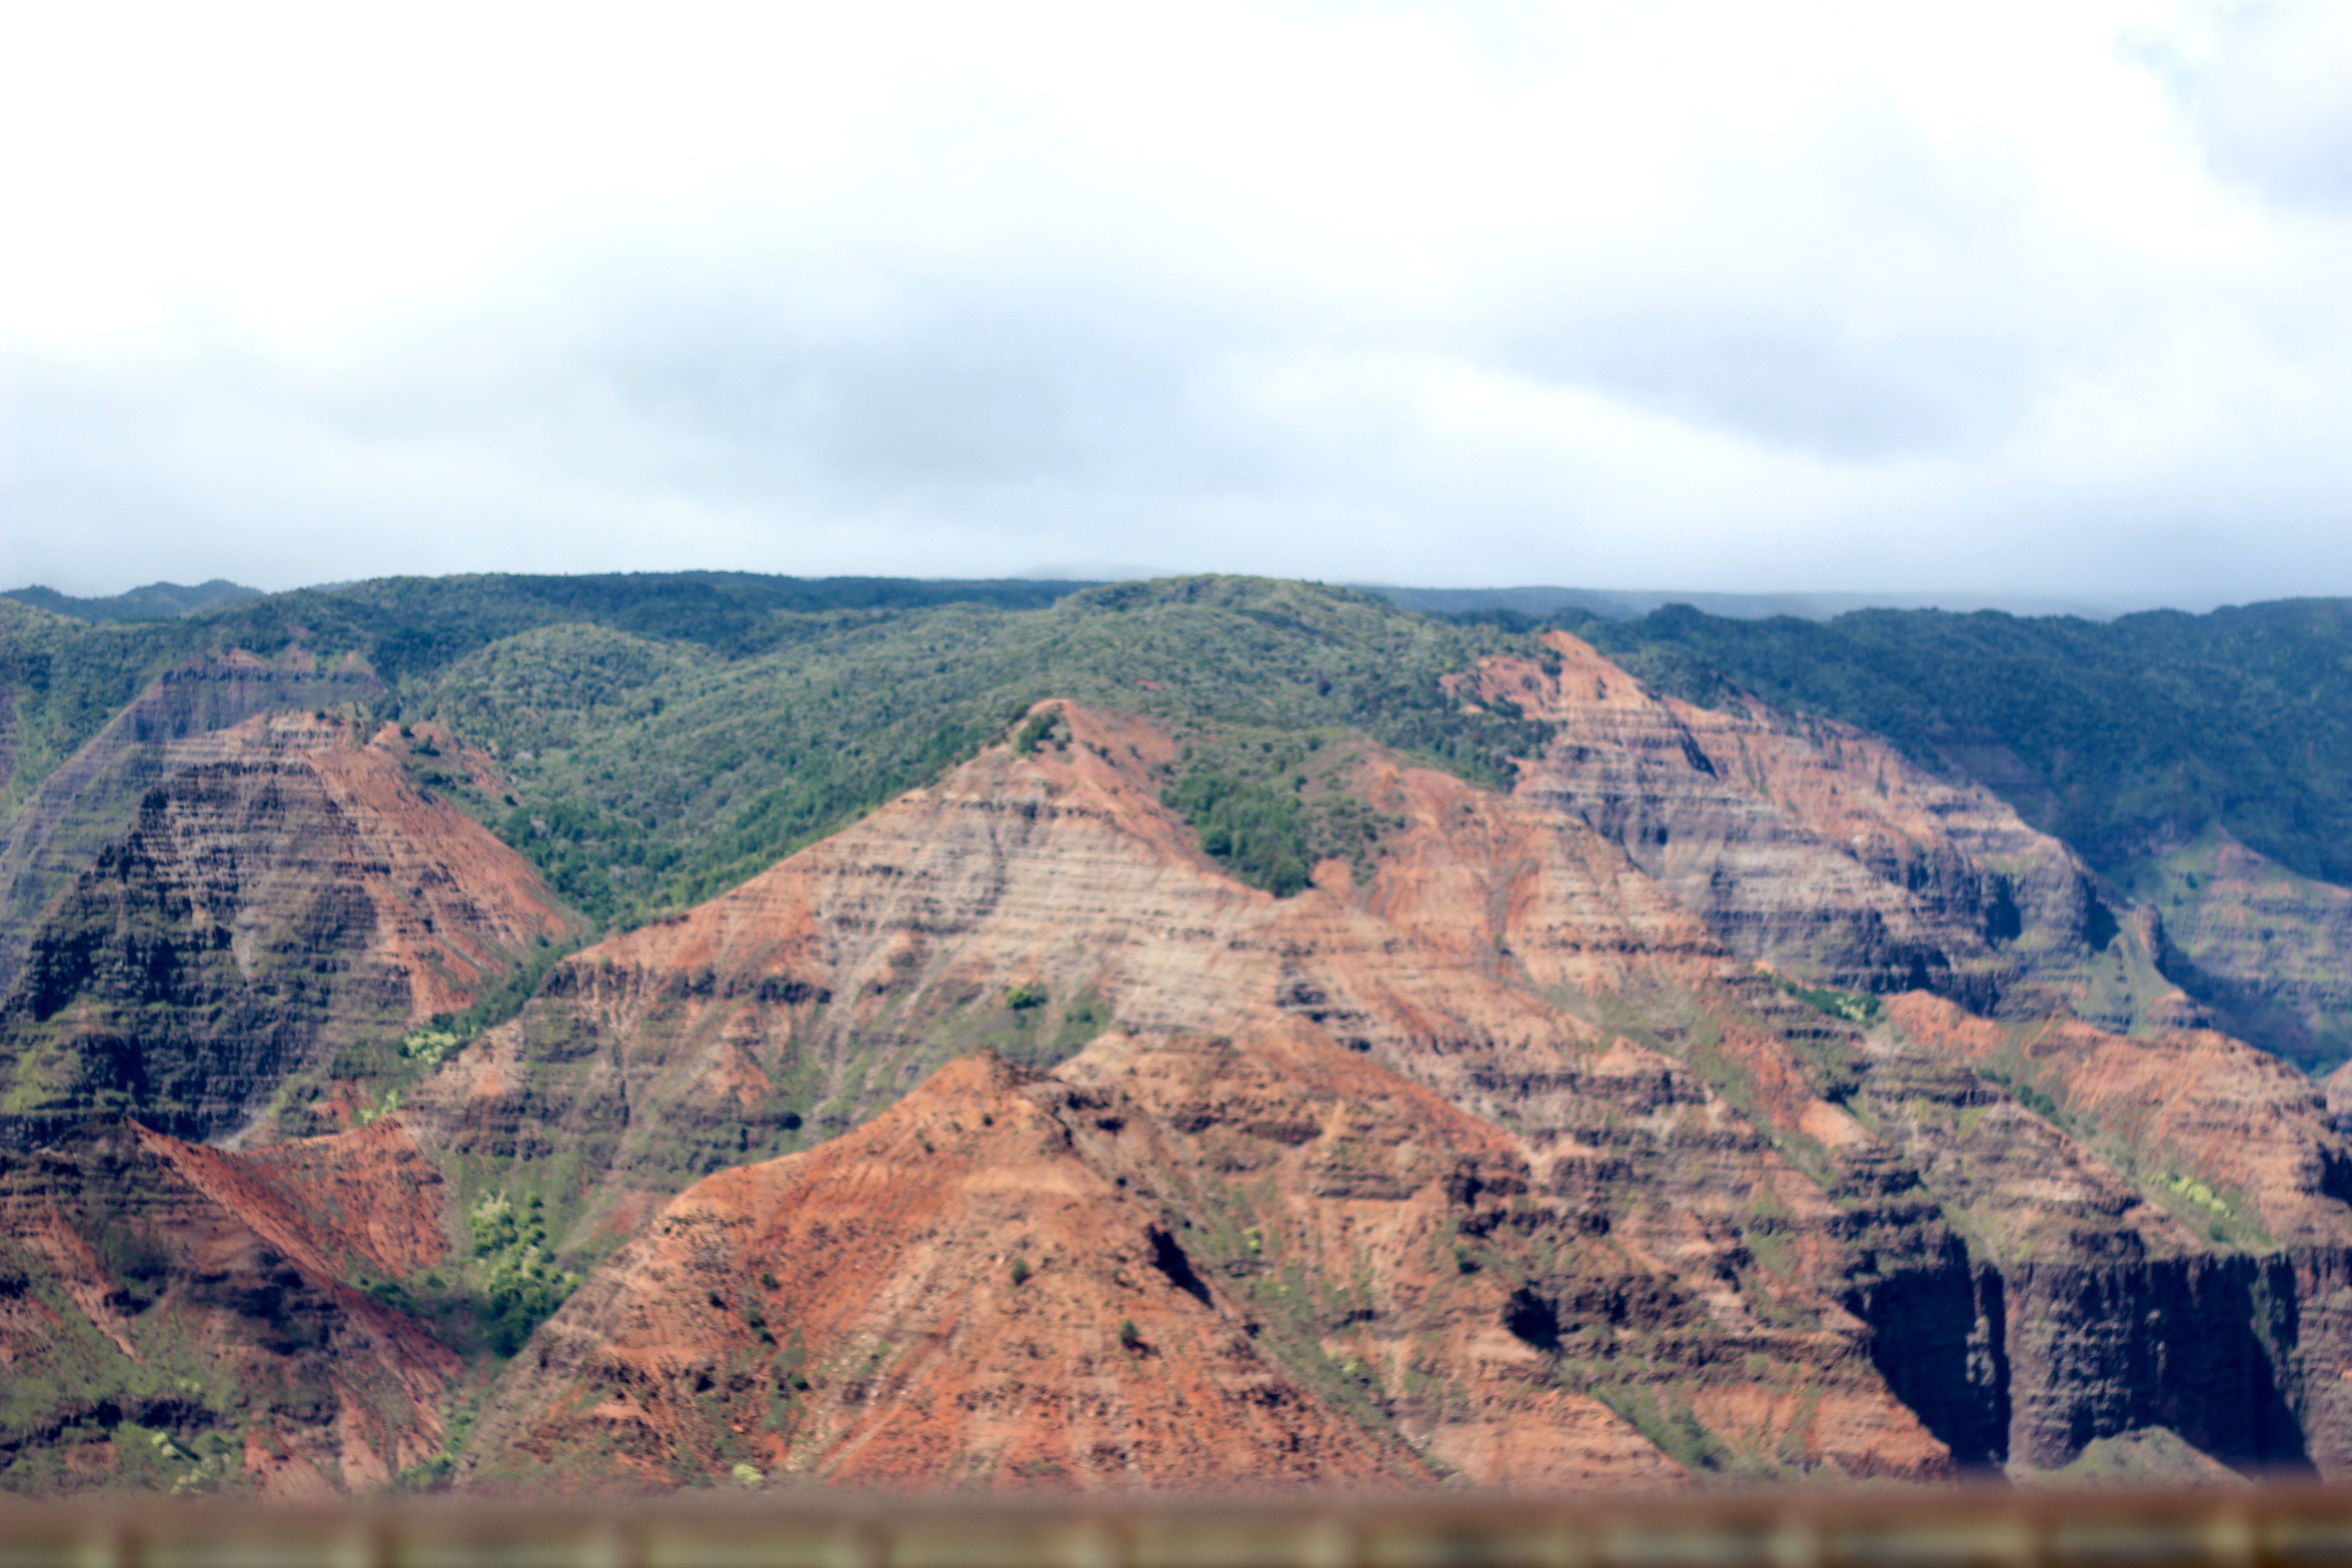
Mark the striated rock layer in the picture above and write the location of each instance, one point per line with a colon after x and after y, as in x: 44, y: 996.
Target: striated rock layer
x: 1203, y: 1263
x: 178, y: 1316
x: 2166, y: 1216
x: 1028, y: 902
x: 267, y: 911
x: 1818, y: 848
x: 92, y: 798
x: 1975, y: 1218
x: 1004, y: 1138
x: 2268, y: 950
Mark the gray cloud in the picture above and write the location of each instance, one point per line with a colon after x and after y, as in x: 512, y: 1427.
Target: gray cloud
x: 2268, y: 90
x: 1844, y: 340
x: 1870, y: 297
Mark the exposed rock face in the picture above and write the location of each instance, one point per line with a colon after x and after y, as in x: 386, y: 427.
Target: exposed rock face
x: 2114, y: 1215
x: 1487, y: 959
x: 2269, y: 951
x: 2099, y: 1349
x: 829, y: 980
x: 1405, y: 1232
x: 2177, y: 1103
x: 1815, y: 846
x: 91, y: 798
x: 2110, y: 1293
x: 1502, y: 1164
x: 1180, y: 1261
x: 822, y: 989
x: 199, y: 1296
x: 266, y: 910
x: 856, y: 1313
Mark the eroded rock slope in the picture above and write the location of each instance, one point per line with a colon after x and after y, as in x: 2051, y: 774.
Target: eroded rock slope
x: 182, y: 1316
x: 1483, y: 962
x: 286, y: 900
x: 1817, y: 847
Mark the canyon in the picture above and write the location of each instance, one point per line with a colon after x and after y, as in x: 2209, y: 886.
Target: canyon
x: 1731, y: 1097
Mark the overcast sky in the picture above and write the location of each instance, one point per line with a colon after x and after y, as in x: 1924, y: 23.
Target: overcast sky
x: 1737, y: 297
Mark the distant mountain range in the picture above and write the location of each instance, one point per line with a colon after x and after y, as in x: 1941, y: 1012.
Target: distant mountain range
x: 156, y: 601
x: 160, y: 600
x: 1627, y: 605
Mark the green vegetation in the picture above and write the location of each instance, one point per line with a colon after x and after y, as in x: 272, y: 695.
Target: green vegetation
x: 156, y: 601
x: 672, y: 733
x: 1272, y: 805
x: 66, y: 679
x: 506, y: 1285
x: 1038, y: 731
x: 669, y: 735
x: 1671, y: 1424
x: 1254, y: 828
x: 2034, y: 1100
x: 853, y: 710
x: 1855, y: 1007
x: 519, y: 1285
x: 2195, y: 1190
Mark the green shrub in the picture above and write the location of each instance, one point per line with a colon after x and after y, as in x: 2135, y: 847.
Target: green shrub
x: 1036, y: 732
x: 1855, y: 1007
x: 1257, y: 830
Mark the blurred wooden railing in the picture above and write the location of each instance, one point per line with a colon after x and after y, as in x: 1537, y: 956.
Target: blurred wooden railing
x: 2264, y: 1528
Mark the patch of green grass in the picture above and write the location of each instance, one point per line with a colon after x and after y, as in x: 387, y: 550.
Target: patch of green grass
x: 2026, y: 1094
x: 1855, y: 1007
x: 1668, y: 1421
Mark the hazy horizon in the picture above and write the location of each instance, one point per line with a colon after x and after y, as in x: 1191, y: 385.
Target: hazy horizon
x: 1530, y: 598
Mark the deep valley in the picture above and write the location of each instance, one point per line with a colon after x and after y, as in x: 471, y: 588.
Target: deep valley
x: 568, y: 1035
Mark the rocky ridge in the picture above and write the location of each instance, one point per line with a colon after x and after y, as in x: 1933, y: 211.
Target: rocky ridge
x: 1491, y: 957
x: 292, y: 898
x: 90, y: 799
x: 868, y: 960
x: 1080, y: 1275
x: 2266, y: 950
x: 1817, y: 847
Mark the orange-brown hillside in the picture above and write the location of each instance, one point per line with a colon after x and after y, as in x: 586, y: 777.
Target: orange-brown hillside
x: 148, y: 1279
x: 1183, y: 1263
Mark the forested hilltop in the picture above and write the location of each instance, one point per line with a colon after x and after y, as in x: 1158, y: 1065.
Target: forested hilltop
x: 671, y: 735
x: 678, y: 729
